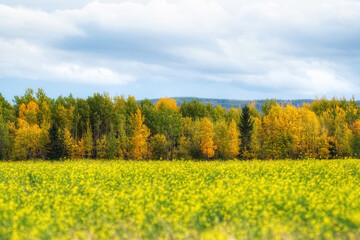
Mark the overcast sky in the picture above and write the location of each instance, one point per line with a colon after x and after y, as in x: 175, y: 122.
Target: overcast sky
x: 238, y: 49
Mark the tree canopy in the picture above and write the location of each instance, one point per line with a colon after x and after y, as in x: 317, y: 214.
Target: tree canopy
x: 36, y: 126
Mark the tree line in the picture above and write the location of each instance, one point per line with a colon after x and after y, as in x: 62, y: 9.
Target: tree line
x: 104, y: 127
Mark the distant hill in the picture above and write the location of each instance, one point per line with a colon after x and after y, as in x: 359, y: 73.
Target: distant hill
x: 228, y: 103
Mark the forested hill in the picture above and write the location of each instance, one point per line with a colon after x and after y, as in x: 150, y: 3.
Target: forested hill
x: 228, y: 103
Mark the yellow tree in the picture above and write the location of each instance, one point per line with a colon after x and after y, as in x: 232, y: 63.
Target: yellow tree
x: 207, y: 144
x: 101, y: 147
x: 79, y: 149
x: 280, y: 132
x: 139, y: 137
x: 233, y: 133
x: 167, y: 103
x: 343, y: 135
x: 29, y: 139
x: 323, y: 145
x: 309, y: 133
x: 255, y: 144
x: 221, y: 139
x: 29, y: 112
x: 69, y: 144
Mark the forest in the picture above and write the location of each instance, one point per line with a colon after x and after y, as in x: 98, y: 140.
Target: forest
x: 36, y: 126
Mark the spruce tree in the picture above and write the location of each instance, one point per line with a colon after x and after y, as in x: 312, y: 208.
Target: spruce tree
x: 246, y: 129
x: 55, y: 147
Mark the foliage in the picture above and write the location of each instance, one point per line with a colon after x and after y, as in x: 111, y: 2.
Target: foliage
x: 159, y: 147
x: 139, y: 136
x: 103, y: 127
x: 246, y: 129
x: 208, y: 146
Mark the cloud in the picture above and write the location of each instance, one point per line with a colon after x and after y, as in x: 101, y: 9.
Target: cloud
x: 21, y: 59
x: 22, y: 23
x: 290, y: 48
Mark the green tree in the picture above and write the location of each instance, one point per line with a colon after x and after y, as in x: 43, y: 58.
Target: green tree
x: 268, y: 104
x: 111, y: 146
x: 246, y: 129
x: 55, y: 147
x: 5, y: 142
x: 159, y: 147
x: 88, y: 141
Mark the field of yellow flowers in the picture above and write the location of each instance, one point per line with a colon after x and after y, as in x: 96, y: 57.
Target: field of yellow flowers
x: 180, y: 200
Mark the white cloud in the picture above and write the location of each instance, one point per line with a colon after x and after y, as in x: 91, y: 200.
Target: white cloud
x: 184, y: 17
x: 301, y: 46
x: 19, y: 59
x: 34, y: 24
x: 81, y: 74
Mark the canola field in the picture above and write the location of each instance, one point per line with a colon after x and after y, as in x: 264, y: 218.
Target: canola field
x: 85, y: 199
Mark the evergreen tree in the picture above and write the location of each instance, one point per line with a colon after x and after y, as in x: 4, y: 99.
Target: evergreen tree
x: 88, y: 141
x: 55, y: 147
x: 246, y: 129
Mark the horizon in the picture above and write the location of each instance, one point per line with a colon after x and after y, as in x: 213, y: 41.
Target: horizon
x: 11, y: 99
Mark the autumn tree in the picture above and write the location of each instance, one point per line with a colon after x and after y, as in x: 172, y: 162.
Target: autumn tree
x: 221, y: 139
x: 69, y: 143
x: 140, y: 133
x: 167, y: 103
x: 26, y: 140
x: 29, y: 139
x: 226, y: 139
x: 233, y: 135
x: 101, y: 148
x: 80, y: 151
x: 309, y: 133
x: 208, y: 146
x: 280, y: 133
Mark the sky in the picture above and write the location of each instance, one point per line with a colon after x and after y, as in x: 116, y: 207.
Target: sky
x: 233, y: 49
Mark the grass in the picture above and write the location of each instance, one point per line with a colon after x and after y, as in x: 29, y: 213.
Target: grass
x: 180, y: 200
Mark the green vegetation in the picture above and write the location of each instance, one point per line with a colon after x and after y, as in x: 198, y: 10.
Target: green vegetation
x: 104, y: 127
x: 87, y: 199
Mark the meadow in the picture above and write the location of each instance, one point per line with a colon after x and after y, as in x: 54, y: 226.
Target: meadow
x: 86, y: 199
